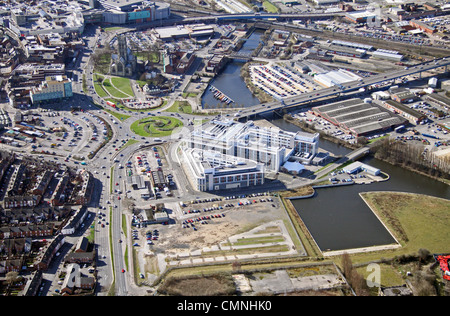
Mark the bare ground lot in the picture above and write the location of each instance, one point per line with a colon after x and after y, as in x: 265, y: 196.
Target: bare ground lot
x: 257, y: 230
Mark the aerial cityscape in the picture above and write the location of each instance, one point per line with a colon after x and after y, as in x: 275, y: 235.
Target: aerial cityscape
x: 217, y: 148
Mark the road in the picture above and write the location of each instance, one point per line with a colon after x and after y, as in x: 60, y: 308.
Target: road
x: 105, y: 165
x: 335, y: 91
x: 108, y: 203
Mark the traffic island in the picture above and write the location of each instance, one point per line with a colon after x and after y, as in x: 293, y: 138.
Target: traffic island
x: 156, y: 126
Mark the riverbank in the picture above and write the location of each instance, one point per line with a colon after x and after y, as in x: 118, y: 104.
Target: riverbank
x: 262, y: 96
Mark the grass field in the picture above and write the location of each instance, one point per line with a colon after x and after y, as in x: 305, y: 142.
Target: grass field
x: 113, y: 91
x: 156, y: 126
x: 180, y: 107
x: 99, y: 87
x: 270, y: 7
x: 417, y: 221
x: 122, y: 84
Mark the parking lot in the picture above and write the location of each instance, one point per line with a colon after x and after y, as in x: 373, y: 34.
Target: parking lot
x: 279, y: 81
x: 151, y: 164
x: 213, y: 229
x: 69, y: 136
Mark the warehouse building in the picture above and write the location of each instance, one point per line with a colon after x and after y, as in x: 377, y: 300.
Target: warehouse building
x: 345, y: 51
x: 387, y: 54
x: 335, y: 78
x: 360, y: 16
x: 352, y: 45
x: 358, y: 117
x: 422, y: 26
x: 411, y: 115
x: 402, y: 95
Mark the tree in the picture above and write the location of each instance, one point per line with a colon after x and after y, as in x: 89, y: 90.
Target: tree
x: 424, y: 255
x: 347, y: 265
x: 11, y: 277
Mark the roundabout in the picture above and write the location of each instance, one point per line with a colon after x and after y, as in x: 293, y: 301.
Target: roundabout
x: 156, y: 126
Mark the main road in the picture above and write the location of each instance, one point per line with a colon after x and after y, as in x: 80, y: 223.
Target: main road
x: 345, y: 88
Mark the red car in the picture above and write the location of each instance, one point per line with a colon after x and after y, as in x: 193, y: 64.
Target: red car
x: 123, y: 271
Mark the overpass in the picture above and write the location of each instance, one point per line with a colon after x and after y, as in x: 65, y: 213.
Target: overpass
x: 335, y: 91
x: 260, y: 16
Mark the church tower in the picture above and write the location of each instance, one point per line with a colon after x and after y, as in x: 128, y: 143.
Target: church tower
x: 122, y: 46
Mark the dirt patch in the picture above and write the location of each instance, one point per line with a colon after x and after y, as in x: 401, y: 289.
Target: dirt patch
x: 175, y: 239
x: 199, y: 286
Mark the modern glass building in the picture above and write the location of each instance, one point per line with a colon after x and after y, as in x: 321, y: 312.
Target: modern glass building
x: 53, y: 88
x: 270, y: 146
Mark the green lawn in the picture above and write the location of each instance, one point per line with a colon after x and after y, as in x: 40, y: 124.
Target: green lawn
x: 149, y: 55
x: 156, y: 126
x: 113, y: 91
x: 270, y: 7
x: 123, y: 84
x: 180, y: 107
x: 99, y: 87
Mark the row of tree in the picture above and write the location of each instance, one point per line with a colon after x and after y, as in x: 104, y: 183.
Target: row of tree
x: 412, y: 156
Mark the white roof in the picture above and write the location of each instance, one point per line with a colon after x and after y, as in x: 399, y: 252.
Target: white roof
x: 293, y: 166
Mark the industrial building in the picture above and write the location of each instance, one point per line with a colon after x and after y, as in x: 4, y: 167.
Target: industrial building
x: 358, y: 117
x: 335, y: 78
x: 360, y: 16
x: 358, y: 166
x: 387, y: 54
x: 345, y: 51
x: 183, y: 31
x: 411, y: 115
x: 352, y: 45
x: 424, y: 27
x: 270, y: 146
x: 402, y: 95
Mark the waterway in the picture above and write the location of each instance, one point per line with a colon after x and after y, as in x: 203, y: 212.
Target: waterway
x: 230, y: 82
x: 337, y: 217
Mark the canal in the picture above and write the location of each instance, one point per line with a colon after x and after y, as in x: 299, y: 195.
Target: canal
x: 230, y: 82
x: 337, y: 218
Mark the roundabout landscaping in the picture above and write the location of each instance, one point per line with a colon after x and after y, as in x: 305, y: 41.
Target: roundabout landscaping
x: 156, y: 126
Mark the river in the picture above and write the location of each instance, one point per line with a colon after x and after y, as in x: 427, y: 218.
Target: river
x: 336, y: 217
x: 339, y: 219
x: 230, y: 82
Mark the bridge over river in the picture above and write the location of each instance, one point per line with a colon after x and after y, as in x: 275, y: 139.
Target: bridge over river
x: 351, y: 156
